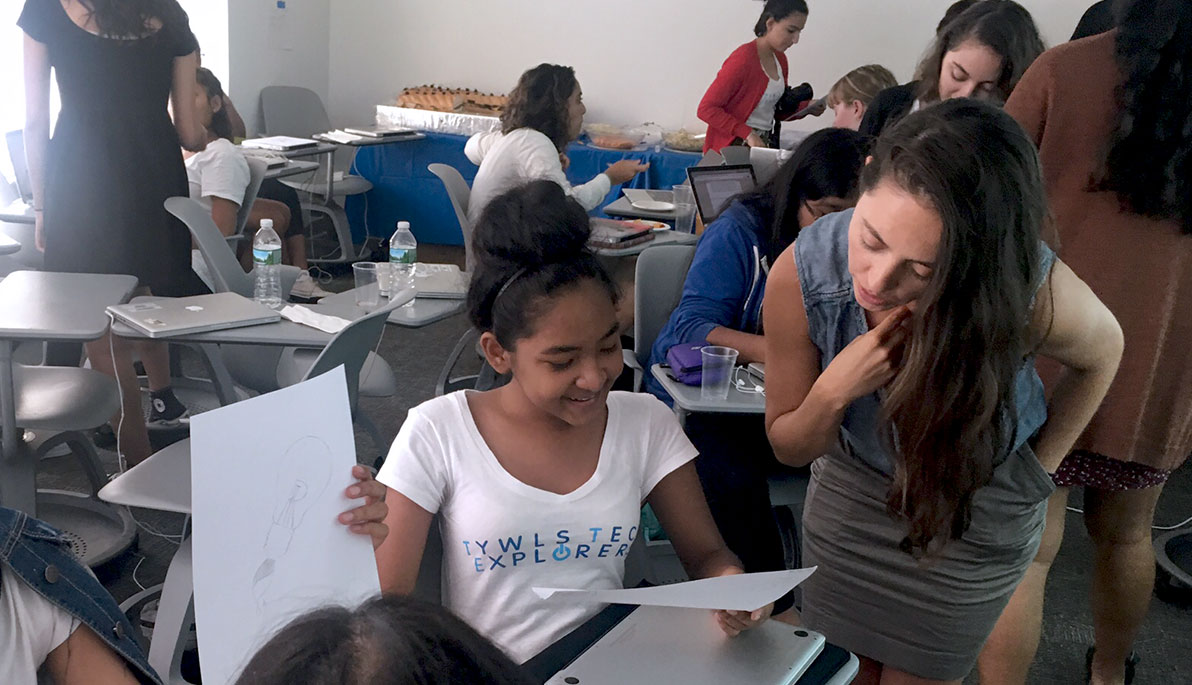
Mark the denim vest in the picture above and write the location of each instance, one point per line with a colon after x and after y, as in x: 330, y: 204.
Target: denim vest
x: 834, y: 319
x: 40, y: 556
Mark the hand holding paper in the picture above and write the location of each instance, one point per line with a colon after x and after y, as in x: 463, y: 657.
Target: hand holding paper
x: 742, y: 592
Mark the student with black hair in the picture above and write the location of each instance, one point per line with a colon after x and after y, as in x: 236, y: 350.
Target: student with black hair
x: 722, y: 305
x: 740, y: 104
x: 541, y: 481
x: 390, y: 640
x: 544, y: 115
x: 981, y: 52
x: 1110, y: 114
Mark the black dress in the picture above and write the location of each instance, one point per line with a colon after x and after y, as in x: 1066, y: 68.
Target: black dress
x: 115, y: 155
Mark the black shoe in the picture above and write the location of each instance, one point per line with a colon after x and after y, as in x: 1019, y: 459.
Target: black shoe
x: 167, y: 411
x: 104, y: 437
x: 1131, y: 663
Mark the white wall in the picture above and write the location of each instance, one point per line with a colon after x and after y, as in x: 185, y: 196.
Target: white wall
x: 272, y: 46
x: 637, y: 60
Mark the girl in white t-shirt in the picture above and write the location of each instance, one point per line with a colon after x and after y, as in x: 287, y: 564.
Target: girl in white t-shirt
x: 545, y: 113
x: 219, y: 177
x: 541, y: 482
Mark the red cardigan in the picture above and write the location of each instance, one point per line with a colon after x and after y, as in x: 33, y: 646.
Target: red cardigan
x: 733, y: 96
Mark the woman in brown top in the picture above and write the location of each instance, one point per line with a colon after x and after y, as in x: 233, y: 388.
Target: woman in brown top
x: 1109, y: 117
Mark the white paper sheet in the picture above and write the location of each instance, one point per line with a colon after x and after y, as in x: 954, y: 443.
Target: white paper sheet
x: 743, y: 592
x: 268, y: 479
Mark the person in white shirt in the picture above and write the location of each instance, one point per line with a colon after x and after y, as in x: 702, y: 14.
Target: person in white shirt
x: 545, y: 113
x: 219, y: 177
x: 541, y: 481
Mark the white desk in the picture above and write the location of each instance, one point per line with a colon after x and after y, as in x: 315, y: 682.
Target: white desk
x: 688, y: 399
x: 423, y: 312
x: 292, y: 167
x: 17, y: 212
x: 660, y: 238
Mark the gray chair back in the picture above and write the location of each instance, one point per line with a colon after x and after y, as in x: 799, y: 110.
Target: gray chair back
x: 350, y: 348
x: 658, y: 281
x: 256, y: 176
x: 460, y: 195
x: 293, y: 111
x: 227, y: 276
x: 711, y: 158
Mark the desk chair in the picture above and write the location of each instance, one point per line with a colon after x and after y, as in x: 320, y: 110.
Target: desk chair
x: 265, y: 369
x: 256, y: 175
x: 67, y: 403
x: 658, y: 285
x: 299, y: 112
x: 163, y: 482
x: 460, y: 195
x: 661, y: 273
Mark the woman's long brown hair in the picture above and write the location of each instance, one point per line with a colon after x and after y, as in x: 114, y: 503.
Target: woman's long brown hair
x: 950, y: 414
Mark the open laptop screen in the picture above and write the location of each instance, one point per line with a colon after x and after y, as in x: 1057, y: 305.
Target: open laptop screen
x: 714, y: 186
x: 15, y: 140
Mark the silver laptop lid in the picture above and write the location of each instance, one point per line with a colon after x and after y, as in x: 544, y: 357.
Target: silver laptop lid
x: 440, y: 281
x: 166, y: 316
x: 672, y: 645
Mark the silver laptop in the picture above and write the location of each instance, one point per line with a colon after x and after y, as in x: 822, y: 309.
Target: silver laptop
x: 164, y: 317
x: 757, y: 369
x: 670, y: 645
x: 440, y: 282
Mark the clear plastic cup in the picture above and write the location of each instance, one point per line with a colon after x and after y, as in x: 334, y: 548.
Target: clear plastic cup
x: 684, y: 203
x: 368, y: 294
x: 384, y: 279
x: 717, y: 371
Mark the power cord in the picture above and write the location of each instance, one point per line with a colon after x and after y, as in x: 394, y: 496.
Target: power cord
x: 122, y: 463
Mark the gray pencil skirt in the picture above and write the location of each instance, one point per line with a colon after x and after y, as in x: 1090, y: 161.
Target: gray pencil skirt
x: 926, y: 617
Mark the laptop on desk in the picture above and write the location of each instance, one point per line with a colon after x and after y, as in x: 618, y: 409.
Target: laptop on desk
x: 165, y: 317
x: 714, y: 186
x: 670, y: 645
x: 440, y: 282
x: 279, y: 143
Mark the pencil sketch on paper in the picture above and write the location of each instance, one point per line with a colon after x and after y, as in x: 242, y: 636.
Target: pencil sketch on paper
x: 303, y: 473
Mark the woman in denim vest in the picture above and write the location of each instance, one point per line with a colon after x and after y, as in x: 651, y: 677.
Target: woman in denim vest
x: 900, y: 343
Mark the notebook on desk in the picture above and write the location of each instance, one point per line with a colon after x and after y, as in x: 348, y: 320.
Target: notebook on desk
x: 670, y: 645
x: 162, y: 318
x: 280, y: 143
x: 440, y: 282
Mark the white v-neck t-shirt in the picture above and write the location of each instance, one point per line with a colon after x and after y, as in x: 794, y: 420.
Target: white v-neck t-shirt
x: 30, y: 628
x: 502, y: 537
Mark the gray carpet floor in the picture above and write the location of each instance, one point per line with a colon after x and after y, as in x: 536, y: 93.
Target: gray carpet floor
x: 1165, y: 644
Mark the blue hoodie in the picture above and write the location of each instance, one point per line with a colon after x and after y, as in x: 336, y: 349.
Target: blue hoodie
x: 725, y: 284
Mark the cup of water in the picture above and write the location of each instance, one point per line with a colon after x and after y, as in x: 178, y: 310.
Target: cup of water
x: 401, y: 277
x: 368, y: 293
x: 384, y: 278
x: 716, y: 372
x: 684, y: 203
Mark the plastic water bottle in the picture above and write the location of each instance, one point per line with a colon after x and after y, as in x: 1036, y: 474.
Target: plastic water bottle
x: 403, y: 253
x: 266, y: 259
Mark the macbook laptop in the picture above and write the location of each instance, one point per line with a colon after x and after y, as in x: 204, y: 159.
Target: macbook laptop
x: 440, y: 282
x: 714, y: 186
x: 672, y: 645
x: 162, y: 318
x: 279, y: 143
x: 15, y: 140
x: 381, y: 131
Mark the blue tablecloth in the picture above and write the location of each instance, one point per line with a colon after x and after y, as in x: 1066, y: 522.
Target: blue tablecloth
x: 404, y: 190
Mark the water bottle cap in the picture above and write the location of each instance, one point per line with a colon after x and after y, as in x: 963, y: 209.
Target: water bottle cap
x: 403, y: 224
x: 266, y: 223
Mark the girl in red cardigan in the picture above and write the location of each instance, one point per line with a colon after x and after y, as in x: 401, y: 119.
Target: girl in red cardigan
x: 739, y: 105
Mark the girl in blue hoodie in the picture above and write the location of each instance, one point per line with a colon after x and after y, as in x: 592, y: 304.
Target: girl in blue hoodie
x: 722, y: 305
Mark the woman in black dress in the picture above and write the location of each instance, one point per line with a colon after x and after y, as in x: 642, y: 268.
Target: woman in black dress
x: 99, y: 184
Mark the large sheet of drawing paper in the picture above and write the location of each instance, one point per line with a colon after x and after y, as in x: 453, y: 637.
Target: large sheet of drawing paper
x: 741, y: 592
x: 268, y: 480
